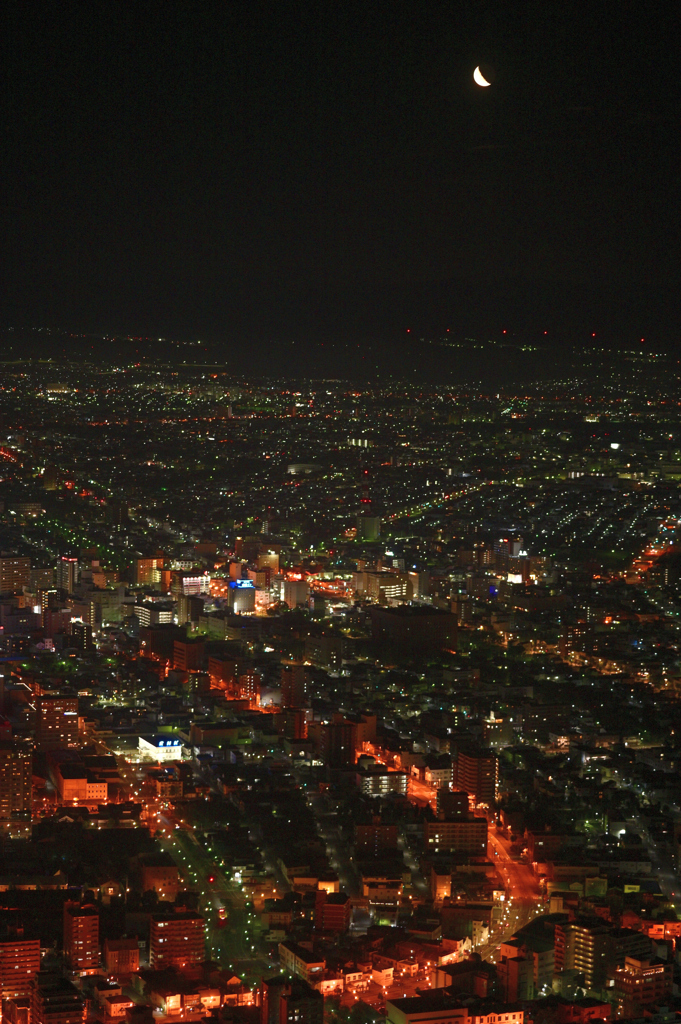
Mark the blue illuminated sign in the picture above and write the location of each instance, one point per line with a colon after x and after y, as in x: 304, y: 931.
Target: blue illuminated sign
x: 242, y: 584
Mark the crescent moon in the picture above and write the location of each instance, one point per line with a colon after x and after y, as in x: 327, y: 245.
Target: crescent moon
x: 480, y: 79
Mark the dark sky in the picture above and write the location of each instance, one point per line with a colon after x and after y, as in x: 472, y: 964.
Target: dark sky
x: 254, y: 171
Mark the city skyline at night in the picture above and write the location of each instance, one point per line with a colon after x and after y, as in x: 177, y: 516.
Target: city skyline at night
x: 340, y: 514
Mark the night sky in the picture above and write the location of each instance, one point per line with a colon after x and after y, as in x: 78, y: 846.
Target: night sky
x: 257, y: 173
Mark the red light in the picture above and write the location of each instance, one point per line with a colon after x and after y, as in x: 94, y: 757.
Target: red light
x: 546, y: 332
x: 408, y: 330
x: 211, y: 878
x: 504, y: 332
x: 593, y: 335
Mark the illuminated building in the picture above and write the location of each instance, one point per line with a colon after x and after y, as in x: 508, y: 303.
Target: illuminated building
x: 56, y: 1001
x: 294, y: 723
x: 301, y: 961
x: 16, y: 765
x: 77, y: 784
x: 452, y: 803
x: 81, y: 938
x: 147, y: 571
x: 56, y: 722
x: 56, y: 621
x: 154, y: 614
x: 438, y: 770
x: 465, y: 835
x: 176, y: 941
x: 157, y: 641
x: 188, y: 654
x: 295, y: 592
x: 640, y: 985
x: 578, y: 637
x: 249, y: 688
x: 81, y: 633
x: 19, y: 961
x: 190, y: 584
x: 382, y: 885
x: 241, y: 596
x: 15, y: 573
x: 333, y: 911
x: 68, y: 574
x: 477, y: 772
x: 160, y: 873
x: 586, y: 947
x: 189, y: 607
x: 17, y: 1010
x: 268, y: 559
x: 515, y: 972
x: 384, y: 587
x: 50, y: 478
x: 368, y: 528
x: 379, y: 783
x: 434, y: 1008
x: 326, y: 651
x: 295, y: 685
x: 336, y: 744
x: 161, y: 748
x: 283, y: 1001
x: 260, y: 578
x: 121, y: 957
x: 371, y: 840
x: 222, y: 672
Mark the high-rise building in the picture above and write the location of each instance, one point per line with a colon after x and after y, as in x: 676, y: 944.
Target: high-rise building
x: 15, y: 783
x: 461, y: 835
x: 50, y: 478
x: 477, y: 772
x: 117, y: 513
x: 81, y: 937
x: 295, y: 592
x: 372, y: 840
x: 189, y: 609
x: 241, y: 596
x: 55, y: 1000
x: 333, y: 911
x: 19, y: 960
x: 154, y: 614
x: 268, y: 559
x: 641, y: 984
x: 147, y: 571
x: 56, y: 722
x: 283, y: 1001
x: 177, y: 941
x: 586, y: 947
x: 337, y: 744
x: 121, y: 957
x: 46, y: 598
x: 15, y: 573
x: 160, y: 873
x: 17, y: 1010
x: 295, y: 685
x: 515, y: 973
x: 387, y: 586
x: 249, y: 688
x: 188, y: 654
x: 68, y: 574
x: 82, y: 636
x: 368, y: 527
